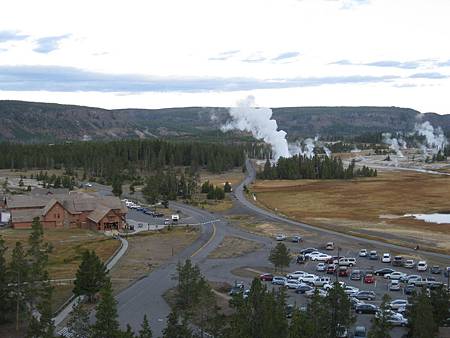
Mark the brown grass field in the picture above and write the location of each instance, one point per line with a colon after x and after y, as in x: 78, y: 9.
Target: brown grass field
x: 234, y: 247
x: 369, y: 207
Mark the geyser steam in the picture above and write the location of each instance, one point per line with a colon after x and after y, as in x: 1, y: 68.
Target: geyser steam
x: 434, y: 137
x: 258, y: 121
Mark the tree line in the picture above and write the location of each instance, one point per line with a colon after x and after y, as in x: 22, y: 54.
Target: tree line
x: 106, y: 159
x: 317, y: 167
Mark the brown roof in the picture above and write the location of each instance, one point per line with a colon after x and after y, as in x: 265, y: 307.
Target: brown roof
x: 25, y: 215
x: 49, y: 205
x: 99, y: 213
x: 26, y: 201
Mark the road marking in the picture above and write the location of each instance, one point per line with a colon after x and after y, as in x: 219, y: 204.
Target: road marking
x: 209, y: 241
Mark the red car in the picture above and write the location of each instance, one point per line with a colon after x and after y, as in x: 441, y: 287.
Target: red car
x: 266, y: 277
x: 369, y: 279
x: 343, y: 271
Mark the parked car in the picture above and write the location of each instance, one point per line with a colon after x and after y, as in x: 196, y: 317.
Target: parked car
x: 329, y: 286
x: 347, y: 261
x: 166, y: 221
x: 394, y: 285
x: 356, y: 275
x: 321, y: 267
x: 436, y: 270
x: 308, y: 278
x: 343, y: 271
x: 266, y: 277
x: 329, y: 246
x: 409, y: 289
x: 369, y: 278
x: 386, y: 258
x: 410, y: 278
x: 341, y: 331
x: 398, y: 303
x: 373, y: 255
x: 398, y: 261
x: 322, y: 293
x: 236, y: 290
x: 292, y: 284
x: 363, y: 253
x: 396, y: 319
x: 422, y: 266
x: 350, y: 290
x: 289, y: 310
x: 395, y: 275
x: 366, y: 309
x: 301, y: 259
x: 307, y: 251
x: 360, y: 332
x: 409, y: 264
x: 312, y: 254
x: 302, y: 288
x: 320, y: 257
x: 279, y: 280
x: 158, y: 214
x: 321, y: 281
x: 280, y: 237
x: 384, y: 271
x: 296, y: 239
x: 296, y: 274
x: 365, y: 295
x: 447, y: 271
x: 355, y: 302
x: 331, y: 269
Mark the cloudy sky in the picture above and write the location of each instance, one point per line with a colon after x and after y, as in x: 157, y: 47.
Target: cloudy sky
x: 166, y: 53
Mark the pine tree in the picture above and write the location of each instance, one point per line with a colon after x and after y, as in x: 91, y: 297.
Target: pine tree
x: 421, y: 319
x: 175, y: 329
x: 280, y: 256
x: 128, y: 333
x: 43, y: 326
x: 78, y: 324
x: 106, y: 324
x: 340, y: 310
x: 19, y: 272
x: 300, y: 325
x: 440, y: 300
x: 5, y: 303
x: 227, y: 187
x: 91, y: 276
x: 145, y: 331
x: 380, y: 325
x: 117, y: 186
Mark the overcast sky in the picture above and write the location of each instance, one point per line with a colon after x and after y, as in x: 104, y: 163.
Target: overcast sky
x: 214, y: 52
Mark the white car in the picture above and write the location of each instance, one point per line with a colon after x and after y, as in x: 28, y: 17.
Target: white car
x: 395, y: 275
x: 394, y: 285
x: 346, y: 261
x: 296, y: 274
x: 321, y: 267
x: 329, y: 286
x: 280, y: 237
x: 363, y: 253
x: 311, y: 292
x: 398, y: 303
x: 312, y: 254
x: 292, y: 284
x: 321, y: 257
x: 386, y: 258
x: 422, y: 266
x: 308, y: 278
x: 350, y: 290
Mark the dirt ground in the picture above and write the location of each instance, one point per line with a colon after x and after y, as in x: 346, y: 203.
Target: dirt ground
x: 147, y: 251
x: 370, y: 207
x: 234, y: 247
x: 234, y: 177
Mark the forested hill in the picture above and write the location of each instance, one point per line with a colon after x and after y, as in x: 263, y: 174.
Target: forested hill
x: 47, y: 122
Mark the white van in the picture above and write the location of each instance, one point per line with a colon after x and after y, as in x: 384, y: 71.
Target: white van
x: 175, y: 218
x: 422, y: 266
x: 347, y: 261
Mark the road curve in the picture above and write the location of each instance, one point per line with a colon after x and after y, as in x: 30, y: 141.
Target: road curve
x: 251, y: 175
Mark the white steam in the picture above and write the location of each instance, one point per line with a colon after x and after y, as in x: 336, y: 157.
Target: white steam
x: 396, y: 144
x: 435, y: 139
x: 258, y: 121
x: 307, y: 146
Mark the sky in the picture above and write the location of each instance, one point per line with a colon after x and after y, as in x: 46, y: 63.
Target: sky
x: 173, y: 53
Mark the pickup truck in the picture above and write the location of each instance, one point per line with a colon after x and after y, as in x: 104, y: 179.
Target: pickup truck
x: 428, y: 281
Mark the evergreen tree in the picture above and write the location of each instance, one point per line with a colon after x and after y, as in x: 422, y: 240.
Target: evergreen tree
x: 128, y: 333
x: 340, y: 310
x: 78, y: 324
x: 41, y: 326
x: 280, y: 256
x: 380, y: 325
x: 176, y: 329
x: 106, y: 324
x: 117, y: 186
x: 19, y: 272
x: 227, y: 187
x: 300, y: 325
x: 91, y: 275
x: 440, y: 300
x: 5, y: 303
x: 318, y: 315
x: 145, y: 331
x: 420, y: 317
x: 189, y: 287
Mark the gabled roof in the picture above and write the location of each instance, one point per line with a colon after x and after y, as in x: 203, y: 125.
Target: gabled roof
x: 25, y: 215
x: 26, y: 201
x: 49, y: 206
x: 100, y: 212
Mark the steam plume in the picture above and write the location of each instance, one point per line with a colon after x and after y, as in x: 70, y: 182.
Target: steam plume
x: 434, y: 137
x: 258, y: 121
x: 394, y: 143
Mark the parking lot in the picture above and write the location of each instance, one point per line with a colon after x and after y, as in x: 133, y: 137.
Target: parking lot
x: 380, y: 286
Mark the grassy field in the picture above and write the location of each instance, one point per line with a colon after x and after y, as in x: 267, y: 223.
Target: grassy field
x: 370, y: 207
x: 147, y: 251
x: 234, y: 247
x: 234, y: 177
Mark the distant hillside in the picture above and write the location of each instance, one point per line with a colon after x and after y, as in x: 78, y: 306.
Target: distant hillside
x: 47, y: 122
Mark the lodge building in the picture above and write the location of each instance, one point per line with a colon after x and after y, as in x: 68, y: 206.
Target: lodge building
x: 67, y: 210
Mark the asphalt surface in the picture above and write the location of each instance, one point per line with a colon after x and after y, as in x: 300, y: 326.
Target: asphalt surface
x: 145, y: 295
